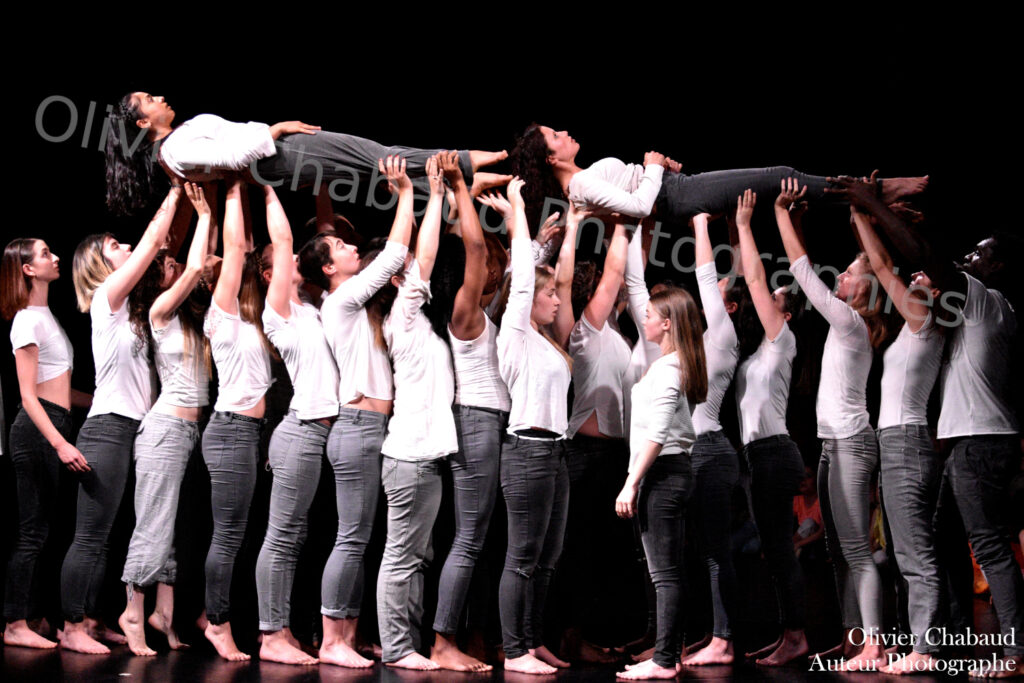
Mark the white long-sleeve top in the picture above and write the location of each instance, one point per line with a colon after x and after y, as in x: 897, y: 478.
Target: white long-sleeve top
x: 975, y: 381
x: 721, y: 350
x: 125, y: 381
x: 241, y: 357
x: 644, y: 352
x: 300, y: 340
x: 363, y: 367
x: 911, y: 365
x: 612, y: 185
x: 36, y: 325
x: 845, y: 363
x: 422, y: 426
x: 762, y: 387
x: 600, y: 358
x: 661, y: 412
x: 536, y: 374
x: 207, y: 144
x: 477, y: 377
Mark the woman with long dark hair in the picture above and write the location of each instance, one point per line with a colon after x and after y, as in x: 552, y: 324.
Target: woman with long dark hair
x: 40, y: 435
x: 171, y: 322
x: 546, y: 160
x: 763, y: 380
x: 298, y: 442
x: 141, y: 134
x: 849, y: 445
x: 461, y: 278
x: 105, y: 272
x: 365, y: 394
x: 660, y: 479
x: 234, y: 326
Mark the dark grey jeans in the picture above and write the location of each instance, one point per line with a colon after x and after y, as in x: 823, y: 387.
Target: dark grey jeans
x: 231, y: 451
x: 979, y: 469
x: 716, y: 470
x: 296, y: 449
x: 106, y: 441
x: 353, y: 449
x: 664, y: 493
x: 535, y: 484
x: 910, y: 479
x: 474, y: 471
x: 36, y: 475
x: 776, y: 469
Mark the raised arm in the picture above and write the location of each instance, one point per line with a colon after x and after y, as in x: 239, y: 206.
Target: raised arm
x: 430, y: 229
x: 282, y: 273
x: 771, y: 318
x: 564, y: 320
x: 520, y: 298
x: 636, y: 287
x: 600, y: 196
x: 121, y: 281
x: 179, y: 227
x: 225, y: 294
x: 165, y: 305
x: 721, y: 332
x: 324, y: 211
x: 467, y: 317
x: 600, y: 306
x: 791, y: 242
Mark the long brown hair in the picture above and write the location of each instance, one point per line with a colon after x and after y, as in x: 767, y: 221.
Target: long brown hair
x: 878, y: 327
x: 252, y: 296
x: 686, y: 332
x: 14, y: 283
x: 541, y: 276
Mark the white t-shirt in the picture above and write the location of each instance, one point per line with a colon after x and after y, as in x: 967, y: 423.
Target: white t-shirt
x: 912, y: 363
x: 477, y: 378
x: 644, y: 352
x: 599, y: 360
x: 363, y: 367
x: 845, y: 362
x: 36, y: 325
x: 660, y: 411
x: 536, y: 374
x: 721, y: 351
x: 762, y: 387
x: 976, y: 380
x: 184, y: 380
x: 301, y: 342
x: 125, y: 381
x: 610, y: 184
x: 208, y: 144
x: 422, y: 426
x: 243, y: 364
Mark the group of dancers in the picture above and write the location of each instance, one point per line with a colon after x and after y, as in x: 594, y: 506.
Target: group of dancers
x: 442, y: 345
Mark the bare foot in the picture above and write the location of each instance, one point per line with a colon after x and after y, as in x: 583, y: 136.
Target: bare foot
x: 844, y: 649
x: 414, y: 660
x: 646, y: 671
x: 545, y: 655
x: 643, y: 656
x: 792, y: 644
x: 135, y: 631
x: 276, y: 648
x: 895, y: 188
x: 77, y: 639
x: 699, y: 645
x: 220, y: 636
x: 202, y: 622
x: 485, y: 181
x: 911, y: 663
x: 478, y: 158
x: 294, y: 642
x: 528, y: 664
x: 448, y: 656
x: 718, y: 651
x: 109, y: 635
x: 1007, y: 667
x: 340, y: 654
x: 370, y: 650
x: 161, y: 623
x: 18, y: 633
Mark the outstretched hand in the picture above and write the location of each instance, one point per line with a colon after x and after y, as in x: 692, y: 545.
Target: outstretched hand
x: 745, y: 207
x: 434, y: 174
x: 860, y: 192
x: 673, y: 165
x: 515, y: 193
x: 656, y: 158
x: 791, y: 192
x: 449, y: 161
x: 550, y: 228
x: 196, y: 195
x: 393, y: 168
x: 497, y: 201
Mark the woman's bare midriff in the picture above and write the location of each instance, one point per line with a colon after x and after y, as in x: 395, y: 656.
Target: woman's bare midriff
x: 56, y: 390
x: 376, y: 405
x: 590, y: 428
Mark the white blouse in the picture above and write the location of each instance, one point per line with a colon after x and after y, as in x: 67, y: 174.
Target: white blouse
x: 243, y: 364
x: 184, y: 380
x: 477, y: 377
x: 911, y: 365
x: 125, y: 381
x: 611, y: 185
x: 303, y: 347
x: 600, y: 359
x: 721, y: 350
x: 762, y: 387
x: 208, y: 144
x: 36, y: 325
x: 660, y: 411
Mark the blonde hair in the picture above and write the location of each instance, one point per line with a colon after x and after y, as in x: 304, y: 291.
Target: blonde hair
x: 541, y: 276
x: 687, y: 336
x: 90, y: 268
x: 871, y: 311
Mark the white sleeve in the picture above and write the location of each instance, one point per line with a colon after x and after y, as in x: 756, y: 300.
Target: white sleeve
x: 637, y: 295
x: 836, y: 311
x: 721, y: 332
x: 520, y: 297
x: 26, y: 330
x: 208, y: 141
x: 413, y: 293
x: 542, y: 252
x: 357, y: 290
x: 665, y: 397
x: 593, y: 192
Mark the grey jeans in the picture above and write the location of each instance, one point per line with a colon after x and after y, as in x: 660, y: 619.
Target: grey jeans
x: 231, y: 450
x: 163, y: 446
x: 296, y: 448
x: 844, y: 482
x: 413, y: 491
x: 910, y: 479
x: 475, y: 485
x: 353, y: 449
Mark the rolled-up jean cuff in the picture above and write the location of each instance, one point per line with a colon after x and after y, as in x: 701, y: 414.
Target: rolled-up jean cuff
x: 344, y: 613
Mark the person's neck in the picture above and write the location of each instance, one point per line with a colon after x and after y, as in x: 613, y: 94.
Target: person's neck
x: 39, y: 294
x: 666, y: 345
x: 159, y: 133
x: 564, y: 173
x: 295, y: 293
